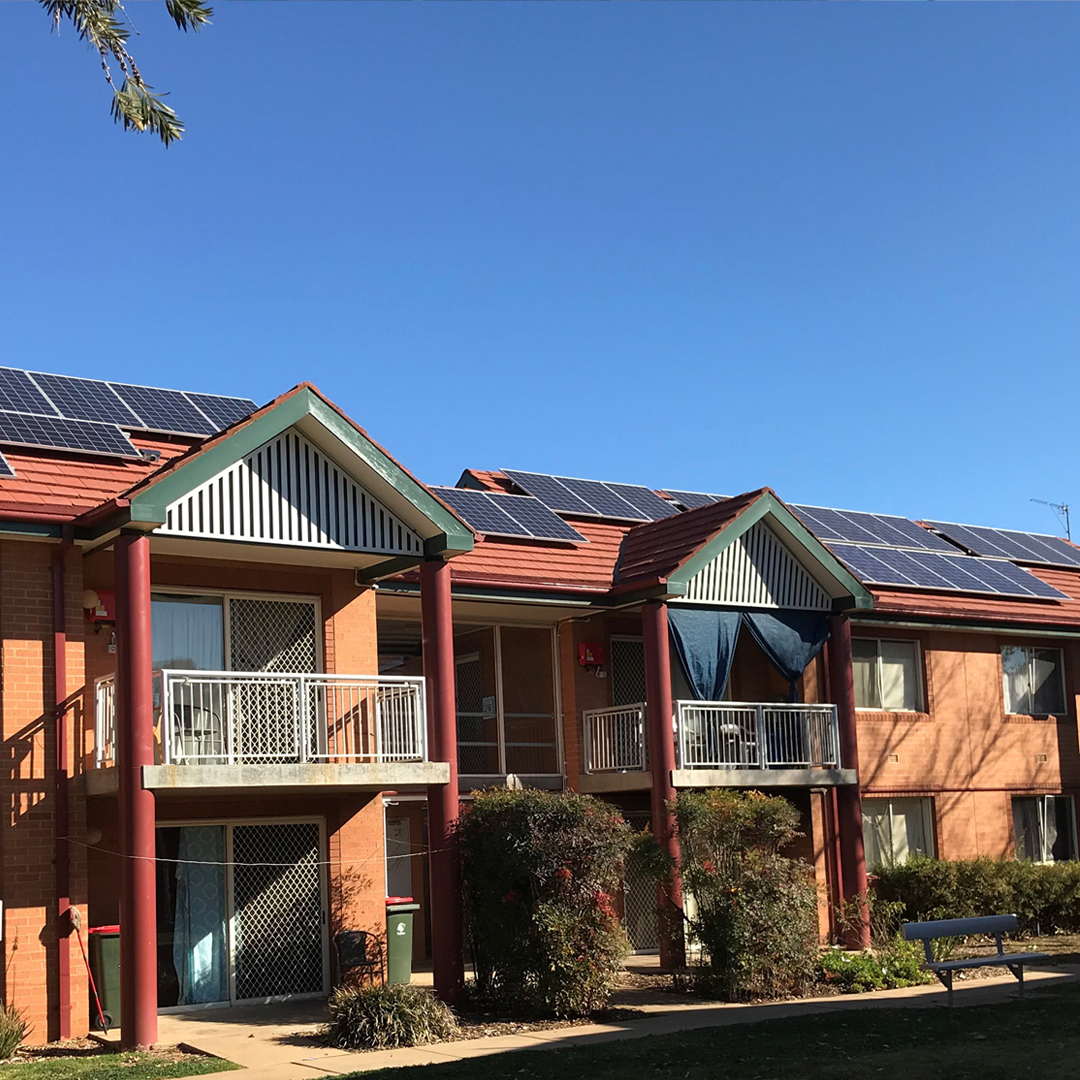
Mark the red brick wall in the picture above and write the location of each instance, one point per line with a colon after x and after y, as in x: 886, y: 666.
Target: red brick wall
x: 27, y: 872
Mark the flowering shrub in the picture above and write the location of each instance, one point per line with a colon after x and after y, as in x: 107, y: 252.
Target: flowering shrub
x: 756, y: 910
x: 539, y: 870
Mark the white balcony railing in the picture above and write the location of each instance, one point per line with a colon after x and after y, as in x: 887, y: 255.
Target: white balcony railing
x: 615, y: 739
x: 243, y: 717
x: 746, y: 735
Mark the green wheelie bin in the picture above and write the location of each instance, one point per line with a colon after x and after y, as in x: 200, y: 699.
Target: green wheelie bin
x: 399, y: 931
x: 104, y: 949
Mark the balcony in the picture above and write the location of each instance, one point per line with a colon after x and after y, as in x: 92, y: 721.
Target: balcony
x: 718, y: 744
x: 232, y: 729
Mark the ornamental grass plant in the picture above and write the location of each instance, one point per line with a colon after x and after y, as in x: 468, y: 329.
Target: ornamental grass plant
x: 383, y: 1016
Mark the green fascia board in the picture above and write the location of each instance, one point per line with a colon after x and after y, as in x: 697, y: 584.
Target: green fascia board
x: 814, y: 550
x: 150, y: 506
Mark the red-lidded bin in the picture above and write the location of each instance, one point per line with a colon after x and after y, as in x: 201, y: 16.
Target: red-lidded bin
x: 399, y: 932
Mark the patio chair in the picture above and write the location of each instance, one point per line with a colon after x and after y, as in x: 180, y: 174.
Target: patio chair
x: 357, y: 951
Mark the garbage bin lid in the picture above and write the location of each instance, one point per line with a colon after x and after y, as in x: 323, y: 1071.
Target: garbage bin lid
x: 103, y: 930
x: 398, y: 900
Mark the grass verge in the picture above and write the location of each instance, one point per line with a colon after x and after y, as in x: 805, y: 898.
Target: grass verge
x: 1037, y: 1037
x: 128, y: 1066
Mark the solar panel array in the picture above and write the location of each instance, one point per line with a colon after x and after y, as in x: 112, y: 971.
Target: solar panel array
x: 1008, y: 544
x: 593, y: 498
x: 66, y: 412
x: 693, y: 500
x: 931, y: 570
x: 497, y: 514
x: 858, y: 527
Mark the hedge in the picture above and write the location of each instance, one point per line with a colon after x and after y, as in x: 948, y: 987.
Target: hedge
x: 1045, y: 897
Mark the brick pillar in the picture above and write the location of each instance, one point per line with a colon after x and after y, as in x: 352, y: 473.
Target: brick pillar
x: 654, y: 622
x: 848, y: 798
x: 135, y: 748
x: 446, y: 922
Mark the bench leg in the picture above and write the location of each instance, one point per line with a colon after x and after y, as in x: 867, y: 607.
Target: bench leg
x: 1018, y: 972
x: 949, y: 987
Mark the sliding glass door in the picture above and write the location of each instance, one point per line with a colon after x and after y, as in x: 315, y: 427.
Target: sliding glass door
x: 241, y: 912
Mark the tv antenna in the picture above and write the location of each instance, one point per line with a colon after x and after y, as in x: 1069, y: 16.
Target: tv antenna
x: 1062, y: 511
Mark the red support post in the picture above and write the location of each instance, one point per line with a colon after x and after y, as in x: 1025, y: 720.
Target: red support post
x: 443, y: 799
x: 135, y: 748
x: 654, y: 622
x: 848, y: 798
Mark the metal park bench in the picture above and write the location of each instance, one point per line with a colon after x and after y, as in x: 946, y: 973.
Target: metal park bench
x: 989, y: 924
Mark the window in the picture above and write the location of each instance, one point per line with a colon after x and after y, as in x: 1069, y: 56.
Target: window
x: 893, y: 829
x: 1044, y: 828
x: 886, y: 675
x: 1033, y: 681
x: 506, y: 713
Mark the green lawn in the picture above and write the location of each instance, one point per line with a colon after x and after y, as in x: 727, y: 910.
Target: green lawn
x: 1036, y: 1037
x: 112, y: 1067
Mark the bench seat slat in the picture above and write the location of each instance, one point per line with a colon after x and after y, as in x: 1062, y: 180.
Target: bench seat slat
x: 986, y: 924
x: 997, y: 960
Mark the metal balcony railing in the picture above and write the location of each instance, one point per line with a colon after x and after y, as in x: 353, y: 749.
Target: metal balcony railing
x: 749, y: 735
x: 615, y: 739
x: 244, y: 717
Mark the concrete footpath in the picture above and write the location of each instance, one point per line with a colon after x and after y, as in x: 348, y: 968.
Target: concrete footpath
x: 280, y: 1042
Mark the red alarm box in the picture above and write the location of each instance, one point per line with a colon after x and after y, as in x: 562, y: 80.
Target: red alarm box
x: 101, y: 607
x: 591, y: 654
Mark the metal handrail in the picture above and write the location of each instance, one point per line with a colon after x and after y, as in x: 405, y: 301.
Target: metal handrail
x: 756, y: 735
x: 615, y: 739
x: 241, y: 717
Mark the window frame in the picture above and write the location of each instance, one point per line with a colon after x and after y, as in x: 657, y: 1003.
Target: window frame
x: 920, y: 689
x: 500, y: 717
x: 1042, y: 800
x: 926, y: 805
x: 242, y: 594
x: 1061, y: 676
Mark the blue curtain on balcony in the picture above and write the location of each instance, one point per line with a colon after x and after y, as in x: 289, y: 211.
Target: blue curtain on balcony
x: 199, y: 943
x: 705, y: 644
x: 790, y: 639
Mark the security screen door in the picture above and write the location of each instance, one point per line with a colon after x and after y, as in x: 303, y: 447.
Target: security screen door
x: 241, y: 912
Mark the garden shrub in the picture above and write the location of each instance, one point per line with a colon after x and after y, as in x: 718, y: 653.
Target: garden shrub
x: 1044, y: 897
x: 382, y: 1016
x: 13, y: 1029
x: 756, y: 910
x: 539, y: 872
x: 896, y: 965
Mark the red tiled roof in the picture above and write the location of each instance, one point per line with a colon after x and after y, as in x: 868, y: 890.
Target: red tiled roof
x: 49, y: 484
x: 956, y: 606
x: 653, y: 551
x: 488, y: 481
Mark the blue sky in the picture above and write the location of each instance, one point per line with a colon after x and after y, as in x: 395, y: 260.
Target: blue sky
x: 834, y: 249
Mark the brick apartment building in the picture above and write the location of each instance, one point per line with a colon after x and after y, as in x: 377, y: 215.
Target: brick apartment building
x: 250, y: 665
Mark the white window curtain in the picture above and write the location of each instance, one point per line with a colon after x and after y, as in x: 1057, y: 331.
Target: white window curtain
x: 886, y: 675
x: 895, y: 829
x: 864, y: 661
x: 1032, y: 681
x: 188, y: 632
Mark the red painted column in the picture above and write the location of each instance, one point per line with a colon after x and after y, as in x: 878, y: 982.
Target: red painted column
x: 135, y: 748
x: 443, y: 800
x: 848, y: 797
x: 654, y: 623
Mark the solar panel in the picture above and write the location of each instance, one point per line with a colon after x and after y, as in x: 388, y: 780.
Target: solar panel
x: 1007, y: 543
x: 694, y: 500
x: 858, y: 527
x: 931, y: 570
x: 5, y: 467
x: 593, y: 498
x: 499, y: 514
x: 553, y: 494
x: 19, y: 394
x: 221, y: 411
x: 164, y: 410
x: 644, y: 499
x: 56, y: 433
x: 85, y: 399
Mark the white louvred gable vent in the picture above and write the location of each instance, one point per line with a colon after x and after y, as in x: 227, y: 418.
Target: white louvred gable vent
x: 289, y: 492
x: 757, y: 571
